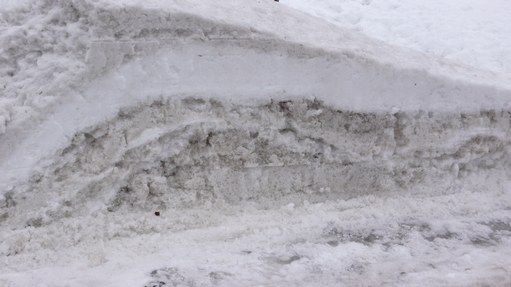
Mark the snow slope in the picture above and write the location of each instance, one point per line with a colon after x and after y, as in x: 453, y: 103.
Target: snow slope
x: 276, y: 155
x: 475, y: 32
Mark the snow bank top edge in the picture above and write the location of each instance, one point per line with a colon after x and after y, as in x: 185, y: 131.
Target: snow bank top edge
x: 288, y: 24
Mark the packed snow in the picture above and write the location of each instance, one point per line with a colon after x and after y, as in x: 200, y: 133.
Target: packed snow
x: 247, y: 143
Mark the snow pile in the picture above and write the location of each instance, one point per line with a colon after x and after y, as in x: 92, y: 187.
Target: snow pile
x: 188, y: 137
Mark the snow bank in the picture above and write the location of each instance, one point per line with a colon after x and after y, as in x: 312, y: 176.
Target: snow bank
x: 113, y: 110
x: 171, y: 49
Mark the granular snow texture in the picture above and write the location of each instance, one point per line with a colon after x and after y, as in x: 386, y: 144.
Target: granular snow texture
x: 242, y: 143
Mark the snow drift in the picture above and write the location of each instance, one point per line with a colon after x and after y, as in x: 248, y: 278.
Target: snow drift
x: 115, y: 109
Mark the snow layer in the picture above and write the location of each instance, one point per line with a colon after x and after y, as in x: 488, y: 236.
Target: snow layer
x: 473, y: 32
x: 445, y: 240
x: 275, y: 155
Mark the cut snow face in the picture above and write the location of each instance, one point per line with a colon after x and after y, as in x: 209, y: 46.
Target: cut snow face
x: 224, y: 144
x: 190, y: 152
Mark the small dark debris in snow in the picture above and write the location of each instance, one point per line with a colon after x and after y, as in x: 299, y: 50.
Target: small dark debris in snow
x: 208, y: 139
x: 157, y: 213
x: 254, y: 134
x: 371, y: 238
x: 246, y: 251
x: 35, y: 222
x: 333, y: 243
x: 285, y: 106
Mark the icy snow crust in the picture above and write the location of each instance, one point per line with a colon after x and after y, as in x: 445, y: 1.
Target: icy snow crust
x: 279, y: 150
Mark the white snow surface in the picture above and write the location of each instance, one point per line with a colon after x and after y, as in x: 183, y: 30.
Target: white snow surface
x: 470, y: 32
x: 279, y: 148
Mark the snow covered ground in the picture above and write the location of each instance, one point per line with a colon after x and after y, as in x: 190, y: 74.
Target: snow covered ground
x: 472, y: 32
x: 245, y: 143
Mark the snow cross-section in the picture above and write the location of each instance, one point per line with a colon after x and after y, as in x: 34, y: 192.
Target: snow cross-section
x: 242, y: 143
